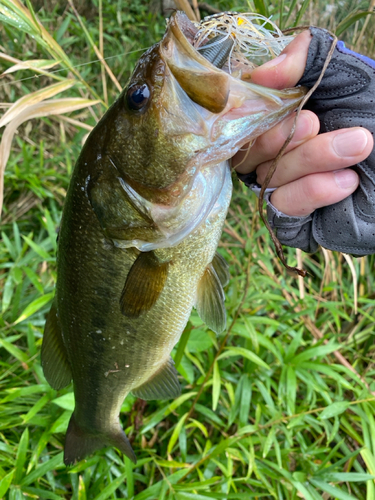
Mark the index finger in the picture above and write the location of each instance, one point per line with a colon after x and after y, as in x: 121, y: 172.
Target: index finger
x: 286, y: 69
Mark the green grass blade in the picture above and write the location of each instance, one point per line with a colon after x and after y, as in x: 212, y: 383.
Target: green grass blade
x: 21, y: 455
x: 40, y: 471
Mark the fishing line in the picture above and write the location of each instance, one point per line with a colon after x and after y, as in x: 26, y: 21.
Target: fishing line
x: 294, y: 271
x: 65, y: 69
x: 256, y: 41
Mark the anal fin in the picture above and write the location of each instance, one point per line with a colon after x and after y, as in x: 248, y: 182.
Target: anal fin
x: 143, y: 285
x: 163, y: 385
x: 210, y: 300
x: 55, y: 361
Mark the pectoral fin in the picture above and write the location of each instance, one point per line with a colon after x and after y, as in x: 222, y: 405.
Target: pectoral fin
x: 210, y: 300
x: 144, y: 283
x: 55, y: 362
x: 222, y: 269
x: 163, y: 385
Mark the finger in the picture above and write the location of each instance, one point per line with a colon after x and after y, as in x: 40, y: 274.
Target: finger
x: 326, y: 152
x: 303, y: 196
x: 269, y: 144
x: 286, y: 69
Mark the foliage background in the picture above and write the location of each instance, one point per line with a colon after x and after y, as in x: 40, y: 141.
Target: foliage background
x: 281, y: 406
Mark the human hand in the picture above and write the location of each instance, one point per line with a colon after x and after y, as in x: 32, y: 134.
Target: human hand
x: 313, y: 172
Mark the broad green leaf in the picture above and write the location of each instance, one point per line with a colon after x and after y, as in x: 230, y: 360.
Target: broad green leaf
x: 83, y: 465
x: 369, y: 459
x: 199, y: 340
x: 129, y: 477
x: 216, y: 386
x: 21, y: 455
x: 240, y: 351
x: 334, y: 409
x: 261, y: 8
x: 7, y: 293
x: 184, y: 495
x: 51, y: 228
x: 315, y: 352
x: 268, y: 442
x: 171, y: 464
x: 166, y: 410
x: 186, y: 369
x: 343, y: 477
x: 66, y: 401
x: 5, y: 483
x: 208, y: 413
x: 199, y: 425
x: 175, y: 433
x: 34, y: 278
x: 248, y: 429
x: 303, y: 490
x: 37, y: 248
x: 181, y: 345
x: 291, y: 389
x: 81, y: 489
x: 40, y: 471
x: 35, y: 409
x: 332, y: 490
x: 245, y: 399
x: 14, y: 351
x: 9, y: 245
x: 14, y: 393
x: 370, y: 490
x: 197, y: 485
x: 35, y: 306
x: 111, y: 488
x: 39, y: 493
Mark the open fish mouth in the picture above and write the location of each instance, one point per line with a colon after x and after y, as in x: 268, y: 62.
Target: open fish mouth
x: 225, y: 96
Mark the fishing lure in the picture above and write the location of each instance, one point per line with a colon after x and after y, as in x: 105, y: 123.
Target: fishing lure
x: 253, y: 39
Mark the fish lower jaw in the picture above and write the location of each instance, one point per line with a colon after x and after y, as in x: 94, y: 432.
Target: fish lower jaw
x: 244, y: 121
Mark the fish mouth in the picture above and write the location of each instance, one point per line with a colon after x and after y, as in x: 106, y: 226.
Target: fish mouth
x: 205, y: 84
x: 228, y: 98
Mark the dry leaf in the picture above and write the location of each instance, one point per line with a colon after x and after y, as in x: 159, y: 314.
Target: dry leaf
x: 33, y: 98
x: 40, y: 109
x: 35, y: 64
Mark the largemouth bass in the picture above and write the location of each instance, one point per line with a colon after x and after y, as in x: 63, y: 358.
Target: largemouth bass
x: 140, y: 227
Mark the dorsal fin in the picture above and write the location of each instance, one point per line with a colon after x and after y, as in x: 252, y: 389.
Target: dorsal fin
x: 210, y: 300
x: 55, y: 363
x: 222, y: 269
x: 143, y: 285
x: 162, y: 385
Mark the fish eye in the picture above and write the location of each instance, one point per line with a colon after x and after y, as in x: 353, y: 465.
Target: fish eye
x: 137, y: 96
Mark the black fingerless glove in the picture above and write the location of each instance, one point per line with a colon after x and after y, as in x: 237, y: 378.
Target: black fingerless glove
x: 344, y: 98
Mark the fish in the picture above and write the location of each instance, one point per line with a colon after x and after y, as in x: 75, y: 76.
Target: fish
x: 142, y: 219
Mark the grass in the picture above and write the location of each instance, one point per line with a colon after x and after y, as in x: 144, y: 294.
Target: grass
x: 280, y: 406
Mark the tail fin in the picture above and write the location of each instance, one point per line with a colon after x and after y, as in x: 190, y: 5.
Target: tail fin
x: 79, y: 443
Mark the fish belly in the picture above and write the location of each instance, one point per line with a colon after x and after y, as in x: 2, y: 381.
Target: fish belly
x: 111, y: 354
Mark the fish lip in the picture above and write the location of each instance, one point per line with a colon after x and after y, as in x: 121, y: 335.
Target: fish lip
x: 178, y: 29
x: 204, y: 83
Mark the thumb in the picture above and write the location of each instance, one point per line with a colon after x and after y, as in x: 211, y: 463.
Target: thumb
x: 286, y: 69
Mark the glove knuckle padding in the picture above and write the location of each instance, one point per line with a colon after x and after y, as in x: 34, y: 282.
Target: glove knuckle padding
x: 345, y: 98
